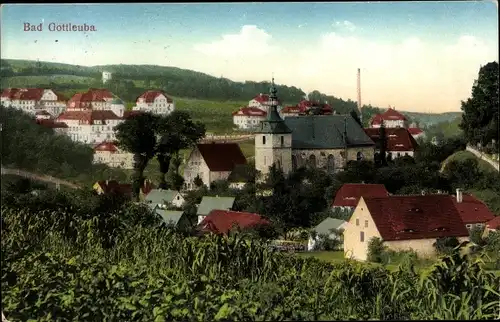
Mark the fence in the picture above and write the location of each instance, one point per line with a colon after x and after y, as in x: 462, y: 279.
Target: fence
x: 236, y: 137
x: 483, y: 157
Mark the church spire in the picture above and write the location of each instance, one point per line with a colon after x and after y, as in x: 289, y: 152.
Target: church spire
x: 273, y: 114
x: 274, y: 123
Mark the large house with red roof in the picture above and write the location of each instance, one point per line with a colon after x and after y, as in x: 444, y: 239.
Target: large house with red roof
x: 261, y: 102
x: 211, y: 162
x: 403, y: 223
x: 90, y: 126
x: 399, y: 141
x: 248, y: 117
x: 224, y: 221
x: 306, y: 107
x: 394, y: 119
x: 348, y: 196
x: 32, y: 100
x: 110, y: 154
x: 96, y: 99
x: 156, y: 102
x: 473, y: 211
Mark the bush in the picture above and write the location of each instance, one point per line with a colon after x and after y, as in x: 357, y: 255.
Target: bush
x: 376, y: 250
x: 446, y: 245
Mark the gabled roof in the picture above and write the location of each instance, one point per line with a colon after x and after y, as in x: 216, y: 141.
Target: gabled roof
x: 50, y: 123
x: 89, y: 116
x: 292, y: 109
x: 397, y: 139
x: 250, y: 111
x: 171, y: 217
x: 416, y: 217
x: 113, y: 186
x: 494, y: 224
x: 221, y: 156
x: 473, y: 210
x: 84, y: 100
x: 159, y: 196
x: 376, y: 119
x: 324, y: 227
x: 392, y: 115
x: 210, y: 203
x: 150, y: 96
x: 28, y: 94
x: 223, y: 221
x: 262, y: 98
x: 349, y: 194
x: 326, y: 132
x: 415, y: 130
x: 106, y: 146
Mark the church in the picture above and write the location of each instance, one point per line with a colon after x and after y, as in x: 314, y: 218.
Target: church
x: 325, y: 142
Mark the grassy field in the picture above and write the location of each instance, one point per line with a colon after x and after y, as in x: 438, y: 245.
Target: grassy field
x: 464, y: 155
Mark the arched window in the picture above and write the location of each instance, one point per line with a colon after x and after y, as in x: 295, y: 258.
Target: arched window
x: 312, y: 161
x: 278, y: 164
x: 294, y: 162
x: 300, y: 162
x: 359, y: 156
x: 330, y: 165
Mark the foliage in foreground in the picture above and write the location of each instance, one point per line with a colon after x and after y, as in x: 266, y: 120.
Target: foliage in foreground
x: 58, y: 266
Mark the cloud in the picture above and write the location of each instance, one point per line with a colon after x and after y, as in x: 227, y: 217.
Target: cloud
x: 250, y: 41
x: 345, y: 25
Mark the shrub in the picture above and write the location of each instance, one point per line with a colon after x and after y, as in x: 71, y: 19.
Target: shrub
x: 376, y: 250
x: 446, y: 245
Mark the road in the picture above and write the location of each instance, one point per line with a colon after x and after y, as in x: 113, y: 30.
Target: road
x: 37, y: 177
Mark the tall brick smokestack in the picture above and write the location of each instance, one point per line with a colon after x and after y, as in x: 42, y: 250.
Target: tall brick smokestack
x: 359, y: 96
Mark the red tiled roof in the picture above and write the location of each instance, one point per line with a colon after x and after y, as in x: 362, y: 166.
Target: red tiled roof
x: 150, y: 96
x: 222, y: 221
x: 350, y: 193
x: 9, y: 92
x: 88, y: 116
x: 128, y: 114
x: 27, y: 94
x: 376, y: 119
x: 84, y: 100
x: 250, y: 111
x: 416, y: 217
x: 147, y: 187
x: 106, y: 146
x: 473, y: 210
x: 110, y: 186
x: 262, y: 98
x: 415, y: 130
x: 392, y: 114
x: 494, y: 223
x: 50, y: 123
x: 398, y: 139
x: 221, y: 156
x: 292, y: 109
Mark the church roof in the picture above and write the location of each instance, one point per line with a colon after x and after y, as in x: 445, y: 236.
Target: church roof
x: 326, y: 132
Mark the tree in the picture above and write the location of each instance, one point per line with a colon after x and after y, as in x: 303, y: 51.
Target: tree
x: 137, y: 136
x: 481, y: 111
x: 176, y: 132
x: 356, y: 117
x: 174, y: 179
x: 383, y: 145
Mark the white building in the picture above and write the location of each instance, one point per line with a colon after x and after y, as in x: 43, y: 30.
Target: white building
x: 106, y: 76
x: 211, y: 162
x: 32, y: 100
x: 156, y: 102
x: 261, y: 102
x: 248, y: 117
x: 90, y: 127
x: 390, y: 118
x: 110, y: 154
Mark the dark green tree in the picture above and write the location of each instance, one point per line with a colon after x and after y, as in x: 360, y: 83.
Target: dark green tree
x: 176, y: 131
x: 137, y: 135
x: 383, y: 145
x: 174, y: 179
x: 481, y: 111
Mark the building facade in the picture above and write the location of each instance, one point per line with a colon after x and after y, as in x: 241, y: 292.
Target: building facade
x: 156, y: 102
x: 108, y: 153
x: 248, y: 118
x: 33, y: 100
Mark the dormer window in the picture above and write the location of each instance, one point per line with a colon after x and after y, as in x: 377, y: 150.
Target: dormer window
x: 440, y: 229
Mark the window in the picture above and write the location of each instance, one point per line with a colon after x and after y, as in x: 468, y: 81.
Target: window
x: 282, y: 140
x: 361, y: 236
x: 366, y: 223
x: 264, y: 140
x: 330, y: 166
x: 294, y: 162
x: 468, y: 226
x: 357, y: 222
x: 312, y: 161
x: 360, y: 156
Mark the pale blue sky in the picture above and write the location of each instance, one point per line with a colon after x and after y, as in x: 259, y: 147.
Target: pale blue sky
x: 414, y: 55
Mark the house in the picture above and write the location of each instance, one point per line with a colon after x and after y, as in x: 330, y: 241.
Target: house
x: 399, y: 142
x: 58, y: 127
x: 90, y: 126
x: 32, y: 100
x: 325, y: 228
x: 241, y: 175
x: 318, y: 141
x: 348, y: 196
x: 416, y: 132
x: 174, y: 218
x: 473, y: 211
x: 261, y: 102
x: 306, y: 107
x: 248, y: 117
x: 223, y: 221
x: 390, y: 118
x: 211, y: 162
x: 210, y: 203
x: 98, y: 100
x: 156, y: 102
x: 291, y: 111
x: 110, y: 154
x: 403, y: 223
x: 112, y: 186
x: 161, y: 198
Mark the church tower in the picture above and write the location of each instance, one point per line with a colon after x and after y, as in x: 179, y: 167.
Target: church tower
x: 273, y: 140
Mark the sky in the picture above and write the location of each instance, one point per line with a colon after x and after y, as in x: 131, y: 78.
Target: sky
x: 415, y: 56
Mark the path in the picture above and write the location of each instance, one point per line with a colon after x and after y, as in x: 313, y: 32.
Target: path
x: 228, y: 138
x: 37, y: 177
x: 484, y: 157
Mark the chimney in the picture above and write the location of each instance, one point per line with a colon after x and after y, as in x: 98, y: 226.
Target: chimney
x: 459, y: 195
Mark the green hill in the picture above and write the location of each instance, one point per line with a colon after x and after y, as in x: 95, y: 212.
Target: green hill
x: 196, y: 92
